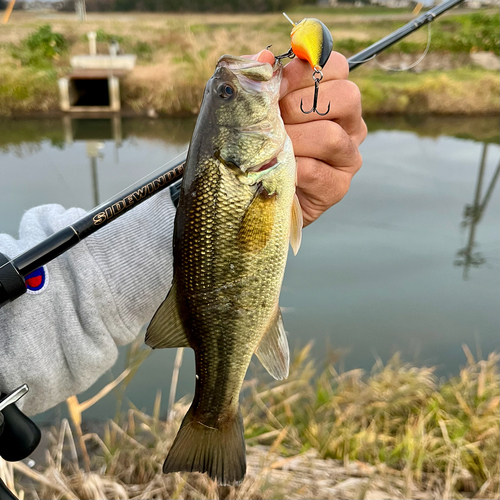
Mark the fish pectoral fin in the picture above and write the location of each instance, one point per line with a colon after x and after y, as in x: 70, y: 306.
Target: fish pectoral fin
x: 258, y: 221
x: 165, y: 329
x: 296, y: 225
x: 273, y: 351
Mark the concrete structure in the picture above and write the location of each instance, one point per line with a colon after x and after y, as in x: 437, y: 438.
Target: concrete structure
x: 125, y: 62
x: 394, y: 4
x: 94, y: 84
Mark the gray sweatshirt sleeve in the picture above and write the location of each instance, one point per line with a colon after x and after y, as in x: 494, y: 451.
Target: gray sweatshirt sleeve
x: 96, y: 296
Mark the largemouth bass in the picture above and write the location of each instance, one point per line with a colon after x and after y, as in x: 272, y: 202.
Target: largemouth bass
x: 237, y: 212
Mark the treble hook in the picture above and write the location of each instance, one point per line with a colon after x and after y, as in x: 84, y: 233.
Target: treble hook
x: 290, y: 54
x: 314, y: 109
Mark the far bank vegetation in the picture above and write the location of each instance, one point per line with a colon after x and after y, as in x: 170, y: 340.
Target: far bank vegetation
x: 177, y: 52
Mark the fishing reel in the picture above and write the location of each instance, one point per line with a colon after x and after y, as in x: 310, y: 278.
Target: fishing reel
x: 19, y: 435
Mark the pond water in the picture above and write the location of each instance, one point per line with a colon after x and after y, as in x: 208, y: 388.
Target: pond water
x: 396, y: 266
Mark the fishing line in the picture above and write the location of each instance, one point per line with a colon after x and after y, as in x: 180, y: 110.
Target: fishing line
x: 418, y: 61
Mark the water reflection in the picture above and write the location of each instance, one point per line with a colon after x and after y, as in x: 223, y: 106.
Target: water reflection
x: 467, y: 257
x: 25, y: 136
x: 374, y: 275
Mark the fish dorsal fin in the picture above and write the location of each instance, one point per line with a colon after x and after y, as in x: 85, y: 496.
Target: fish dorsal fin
x: 296, y: 227
x: 273, y: 350
x: 165, y: 329
x: 258, y: 221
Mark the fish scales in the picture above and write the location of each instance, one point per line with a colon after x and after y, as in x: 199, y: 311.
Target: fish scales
x: 232, y: 229
x: 229, y: 294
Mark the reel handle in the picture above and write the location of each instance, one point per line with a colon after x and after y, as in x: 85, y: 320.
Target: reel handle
x: 20, y: 435
x: 5, y: 493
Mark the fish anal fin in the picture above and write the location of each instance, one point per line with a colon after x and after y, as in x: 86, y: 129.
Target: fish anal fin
x: 296, y: 225
x: 258, y: 222
x: 165, y: 329
x: 220, y: 452
x: 273, y: 351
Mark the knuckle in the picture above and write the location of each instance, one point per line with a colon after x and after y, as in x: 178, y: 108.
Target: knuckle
x: 343, y: 185
x: 335, y: 140
x: 313, y: 173
x: 286, y: 108
x: 358, y: 162
x: 339, y: 62
x: 364, y: 130
x: 344, y: 145
x: 352, y: 95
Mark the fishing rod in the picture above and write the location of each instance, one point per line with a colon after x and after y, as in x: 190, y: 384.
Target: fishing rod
x: 13, y: 272
x: 373, y: 50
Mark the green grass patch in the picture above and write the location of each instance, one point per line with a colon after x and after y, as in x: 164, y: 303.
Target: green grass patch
x: 27, y: 89
x: 143, y: 50
x: 40, y: 48
x: 464, y: 91
x: 104, y: 36
x: 468, y: 33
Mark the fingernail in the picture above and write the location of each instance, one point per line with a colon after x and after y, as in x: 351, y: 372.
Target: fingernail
x: 255, y: 57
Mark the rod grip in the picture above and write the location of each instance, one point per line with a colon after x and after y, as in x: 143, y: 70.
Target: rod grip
x: 5, y: 493
x: 20, y: 434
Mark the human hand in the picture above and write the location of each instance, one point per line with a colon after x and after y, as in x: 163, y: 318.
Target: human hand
x: 326, y: 147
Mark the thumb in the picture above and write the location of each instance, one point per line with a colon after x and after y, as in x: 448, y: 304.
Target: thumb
x: 263, y: 56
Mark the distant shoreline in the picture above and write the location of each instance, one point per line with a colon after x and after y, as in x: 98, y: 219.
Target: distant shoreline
x: 176, y: 54
x: 465, y: 91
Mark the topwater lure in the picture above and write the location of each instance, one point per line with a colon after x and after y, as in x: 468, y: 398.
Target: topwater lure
x: 311, y: 42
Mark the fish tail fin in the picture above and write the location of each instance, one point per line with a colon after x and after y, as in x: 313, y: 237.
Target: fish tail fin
x: 218, y: 452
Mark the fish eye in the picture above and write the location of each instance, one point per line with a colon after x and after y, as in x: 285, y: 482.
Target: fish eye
x: 225, y: 91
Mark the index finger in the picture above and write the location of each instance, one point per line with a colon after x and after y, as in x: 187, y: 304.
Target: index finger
x: 297, y: 74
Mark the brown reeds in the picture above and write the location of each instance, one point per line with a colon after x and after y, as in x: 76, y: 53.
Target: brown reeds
x: 397, y: 433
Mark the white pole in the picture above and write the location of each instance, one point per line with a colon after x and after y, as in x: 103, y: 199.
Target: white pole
x: 92, y: 35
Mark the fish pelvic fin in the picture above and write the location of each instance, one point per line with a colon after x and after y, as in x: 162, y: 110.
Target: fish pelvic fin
x: 218, y: 452
x: 273, y: 351
x: 296, y: 225
x: 165, y: 329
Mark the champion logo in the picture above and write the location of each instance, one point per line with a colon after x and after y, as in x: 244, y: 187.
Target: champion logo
x: 37, y: 281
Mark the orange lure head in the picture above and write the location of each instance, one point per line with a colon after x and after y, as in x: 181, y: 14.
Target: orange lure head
x: 312, y: 42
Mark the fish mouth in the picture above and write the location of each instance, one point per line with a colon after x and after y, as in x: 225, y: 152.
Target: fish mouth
x: 259, y: 71
x: 253, y: 75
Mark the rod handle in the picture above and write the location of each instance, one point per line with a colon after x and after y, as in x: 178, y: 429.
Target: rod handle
x: 20, y: 434
x: 5, y: 493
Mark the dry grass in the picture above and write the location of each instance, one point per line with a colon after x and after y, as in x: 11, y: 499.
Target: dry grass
x: 437, y: 434
x: 177, y: 54
x: 309, y: 437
